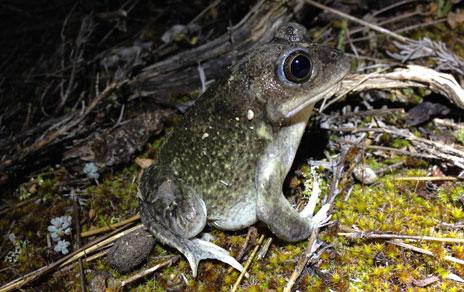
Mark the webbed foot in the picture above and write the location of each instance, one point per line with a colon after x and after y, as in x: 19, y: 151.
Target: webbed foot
x: 199, y: 250
x: 175, y: 213
x: 321, y: 218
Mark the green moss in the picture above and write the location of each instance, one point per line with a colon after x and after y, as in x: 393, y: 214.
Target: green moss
x: 400, y: 143
x: 443, y: 7
x: 115, y: 197
x: 395, y: 206
x: 452, y: 194
x: 460, y: 135
x: 342, y: 35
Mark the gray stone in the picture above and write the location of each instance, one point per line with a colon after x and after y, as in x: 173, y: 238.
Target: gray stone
x: 130, y: 250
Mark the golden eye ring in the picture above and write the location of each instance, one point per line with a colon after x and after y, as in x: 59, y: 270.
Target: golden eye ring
x: 297, y: 67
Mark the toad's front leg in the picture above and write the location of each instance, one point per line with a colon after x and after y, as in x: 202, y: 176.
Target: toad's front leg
x: 275, y: 210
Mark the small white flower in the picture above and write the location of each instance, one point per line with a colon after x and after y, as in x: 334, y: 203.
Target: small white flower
x: 60, y: 227
x: 91, y: 170
x: 52, y: 229
x: 56, y: 221
x: 11, y: 237
x: 62, y: 246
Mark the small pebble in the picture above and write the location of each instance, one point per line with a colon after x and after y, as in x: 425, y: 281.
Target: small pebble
x: 365, y: 174
x: 130, y: 251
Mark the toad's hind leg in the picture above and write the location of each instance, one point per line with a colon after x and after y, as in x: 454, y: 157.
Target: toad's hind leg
x: 174, y: 214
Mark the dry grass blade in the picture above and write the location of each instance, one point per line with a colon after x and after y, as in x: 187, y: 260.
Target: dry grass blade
x: 247, y: 264
x: 425, y: 178
x: 373, y: 235
x: 111, y: 227
x: 424, y: 251
x: 302, y: 261
x: 153, y: 269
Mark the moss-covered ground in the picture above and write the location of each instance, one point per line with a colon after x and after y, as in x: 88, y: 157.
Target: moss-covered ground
x: 388, y: 206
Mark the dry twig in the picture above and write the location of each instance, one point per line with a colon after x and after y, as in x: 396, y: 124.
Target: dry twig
x: 373, y: 235
x: 302, y: 261
x: 153, y: 269
x: 111, y: 227
x: 411, y: 48
x: 360, y: 21
x: 440, y: 150
x: 424, y: 251
x: 247, y: 264
x: 251, y: 237
x: 410, y: 76
x: 425, y: 178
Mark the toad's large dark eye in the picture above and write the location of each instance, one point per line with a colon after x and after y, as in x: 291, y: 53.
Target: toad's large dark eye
x: 297, y: 67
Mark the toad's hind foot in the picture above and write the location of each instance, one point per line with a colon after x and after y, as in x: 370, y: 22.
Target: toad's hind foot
x: 199, y: 250
x: 174, y: 213
x: 194, y: 250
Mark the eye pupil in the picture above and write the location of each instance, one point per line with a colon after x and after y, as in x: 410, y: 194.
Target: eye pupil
x: 300, y: 66
x: 297, y: 67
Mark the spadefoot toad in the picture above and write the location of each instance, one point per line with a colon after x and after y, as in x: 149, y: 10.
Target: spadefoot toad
x: 225, y: 162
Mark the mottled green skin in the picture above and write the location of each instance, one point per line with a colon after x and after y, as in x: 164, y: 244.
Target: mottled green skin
x: 232, y: 150
x: 215, y: 148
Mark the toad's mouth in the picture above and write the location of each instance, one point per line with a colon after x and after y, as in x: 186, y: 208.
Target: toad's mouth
x: 313, y: 100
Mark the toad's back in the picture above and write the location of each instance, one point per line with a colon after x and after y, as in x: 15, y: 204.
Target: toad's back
x: 215, y: 150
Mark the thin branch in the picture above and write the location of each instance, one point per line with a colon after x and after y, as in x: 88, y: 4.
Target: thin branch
x: 403, y: 152
x: 360, y: 21
x: 438, y: 50
x: 393, y: 5
x: 389, y: 20
x: 435, y: 148
x: 248, y: 264
x: 302, y: 261
x: 251, y: 236
x: 153, y: 269
x: 366, y: 113
x: 411, y: 76
x: 425, y: 178
x: 373, y: 235
x: 400, y: 243
x: 111, y: 227
x: 448, y: 123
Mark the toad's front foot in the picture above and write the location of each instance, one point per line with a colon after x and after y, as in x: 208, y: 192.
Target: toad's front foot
x: 321, y: 218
